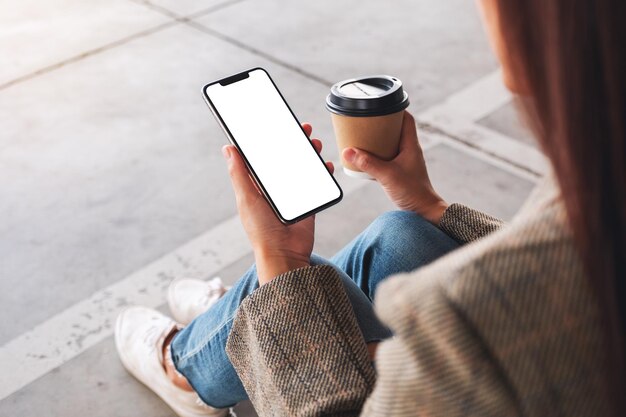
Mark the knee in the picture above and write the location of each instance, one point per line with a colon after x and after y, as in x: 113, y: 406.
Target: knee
x: 400, y: 230
x: 400, y: 224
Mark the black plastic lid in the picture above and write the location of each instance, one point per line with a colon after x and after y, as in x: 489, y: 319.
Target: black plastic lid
x: 375, y: 95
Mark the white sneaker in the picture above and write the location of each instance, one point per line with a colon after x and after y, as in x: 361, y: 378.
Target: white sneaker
x: 139, y: 336
x: 188, y: 298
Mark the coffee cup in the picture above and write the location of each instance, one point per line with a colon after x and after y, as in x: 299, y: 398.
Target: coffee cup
x: 367, y: 114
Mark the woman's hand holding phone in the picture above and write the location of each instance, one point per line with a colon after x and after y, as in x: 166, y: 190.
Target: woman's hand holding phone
x: 277, y: 248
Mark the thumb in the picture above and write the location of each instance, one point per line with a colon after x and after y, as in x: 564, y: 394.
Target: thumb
x: 242, y: 183
x: 365, y: 161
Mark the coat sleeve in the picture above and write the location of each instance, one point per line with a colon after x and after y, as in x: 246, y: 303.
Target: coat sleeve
x: 466, y: 225
x: 436, y: 364
x: 297, y: 348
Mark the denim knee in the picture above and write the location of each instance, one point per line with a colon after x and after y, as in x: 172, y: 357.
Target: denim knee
x: 397, y: 241
x: 402, y: 232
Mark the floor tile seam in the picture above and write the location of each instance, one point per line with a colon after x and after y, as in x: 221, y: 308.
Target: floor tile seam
x: 186, y: 17
x: 486, y: 158
x: 159, y: 9
x: 258, y: 52
x: 190, y: 21
x: 89, y: 53
x: 462, y: 108
x: 176, y: 19
x: 429, y: 127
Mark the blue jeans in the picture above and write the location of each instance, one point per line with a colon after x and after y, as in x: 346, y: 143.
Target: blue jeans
x: 397, y: 241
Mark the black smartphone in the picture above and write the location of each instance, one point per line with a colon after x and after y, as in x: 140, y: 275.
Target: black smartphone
x: 280, y: 157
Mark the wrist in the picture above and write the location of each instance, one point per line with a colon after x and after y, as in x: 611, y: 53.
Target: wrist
x: 270, y: 264
x: 434, y: 212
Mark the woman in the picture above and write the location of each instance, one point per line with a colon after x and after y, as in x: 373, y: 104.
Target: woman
x: 522, y: 319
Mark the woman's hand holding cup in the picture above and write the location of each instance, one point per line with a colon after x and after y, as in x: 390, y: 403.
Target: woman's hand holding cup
x: 405, y: 177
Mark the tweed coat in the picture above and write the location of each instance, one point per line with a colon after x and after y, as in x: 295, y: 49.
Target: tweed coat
x: 504, y: 326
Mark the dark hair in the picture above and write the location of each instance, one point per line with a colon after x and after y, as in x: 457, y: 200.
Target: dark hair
x: 572, y: 57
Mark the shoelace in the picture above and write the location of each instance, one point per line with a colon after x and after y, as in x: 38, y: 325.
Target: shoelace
x: 151, y: 337
x: 215, y: 289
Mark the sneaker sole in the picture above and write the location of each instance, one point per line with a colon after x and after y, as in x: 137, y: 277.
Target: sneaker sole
x: 129, y: 369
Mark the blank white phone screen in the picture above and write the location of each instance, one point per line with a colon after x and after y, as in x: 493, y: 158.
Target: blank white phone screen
x: 278, y: 151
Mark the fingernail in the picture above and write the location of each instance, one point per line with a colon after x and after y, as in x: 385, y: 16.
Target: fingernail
x: 349, y: 154
x: 226, y: 151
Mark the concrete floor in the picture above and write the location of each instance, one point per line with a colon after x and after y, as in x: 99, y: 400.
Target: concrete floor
x: 110, y: 164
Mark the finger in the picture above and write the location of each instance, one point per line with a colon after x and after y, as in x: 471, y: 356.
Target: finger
x: 308, y: 129
x: 317, y: 144
x: 331, y: 167
x: 242, y: 183
x: 408, y: 136
x: 256, y: 187
x: 365, y: 162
